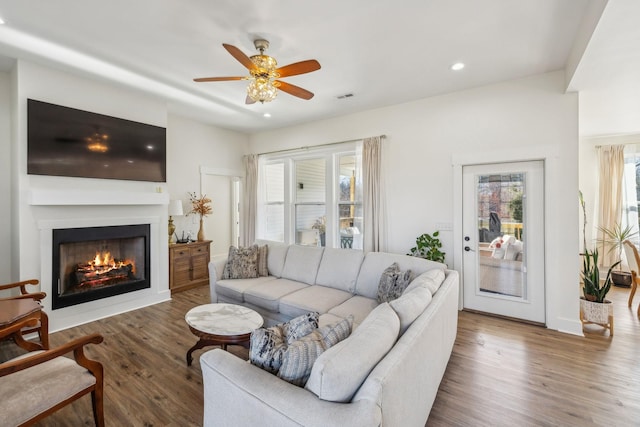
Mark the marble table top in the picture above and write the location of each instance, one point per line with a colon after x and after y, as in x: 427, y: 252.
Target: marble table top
x: 223, y: 319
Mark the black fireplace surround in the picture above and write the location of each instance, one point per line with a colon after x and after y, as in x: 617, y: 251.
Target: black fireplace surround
x: 81, y: 272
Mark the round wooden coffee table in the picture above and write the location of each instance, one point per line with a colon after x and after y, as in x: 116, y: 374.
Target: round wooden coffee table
x: 221, y: 324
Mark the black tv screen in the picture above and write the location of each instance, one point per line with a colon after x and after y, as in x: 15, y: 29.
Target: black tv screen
x: 64, y: 141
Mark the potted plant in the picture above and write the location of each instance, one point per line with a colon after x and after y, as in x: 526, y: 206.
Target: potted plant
x: 594, y: 307
x: 428, y: 247
x: 614, y: 238
x: 200, y: 206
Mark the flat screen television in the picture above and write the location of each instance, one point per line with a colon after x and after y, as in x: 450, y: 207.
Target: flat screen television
x: 63, y: 141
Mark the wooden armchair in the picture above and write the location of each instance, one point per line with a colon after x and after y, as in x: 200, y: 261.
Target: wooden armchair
x: 39, y: 383
x: 633, y: 258
x: 42, y: 327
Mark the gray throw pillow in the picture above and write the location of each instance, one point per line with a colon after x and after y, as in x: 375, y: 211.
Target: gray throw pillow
x: 300, y: 356
x: 393, y: 282
x: 242, y: 263
x: 268, y: 345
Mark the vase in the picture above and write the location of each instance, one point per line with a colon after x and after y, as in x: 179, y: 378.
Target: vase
x: 201, y: 231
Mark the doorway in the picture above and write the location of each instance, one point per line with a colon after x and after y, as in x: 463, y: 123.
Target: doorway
x: 503, y: 233
x: 222, y: 227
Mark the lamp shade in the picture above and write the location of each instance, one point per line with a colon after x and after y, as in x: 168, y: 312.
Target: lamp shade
x: 175, y: 208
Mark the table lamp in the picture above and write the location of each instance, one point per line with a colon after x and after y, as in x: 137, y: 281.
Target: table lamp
x: 175, y: 208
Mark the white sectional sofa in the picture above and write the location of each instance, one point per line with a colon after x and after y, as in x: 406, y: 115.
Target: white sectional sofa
x: 386, y: 373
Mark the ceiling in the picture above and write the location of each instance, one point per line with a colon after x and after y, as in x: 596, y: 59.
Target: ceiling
x: 382, y: 54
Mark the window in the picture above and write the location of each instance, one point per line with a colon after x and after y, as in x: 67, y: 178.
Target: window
x: 274, y: 202
x: 312, y: 197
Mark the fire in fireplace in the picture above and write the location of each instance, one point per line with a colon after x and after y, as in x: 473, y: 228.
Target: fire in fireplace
x: 99, y: 262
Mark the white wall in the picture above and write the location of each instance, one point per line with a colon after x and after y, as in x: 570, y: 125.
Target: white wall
x: 5, y: 177
x: 521, y: 118
x: 194, y: 147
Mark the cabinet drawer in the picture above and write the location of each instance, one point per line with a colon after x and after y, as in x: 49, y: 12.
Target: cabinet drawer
x: 180, y: 253
x: 200, y: 250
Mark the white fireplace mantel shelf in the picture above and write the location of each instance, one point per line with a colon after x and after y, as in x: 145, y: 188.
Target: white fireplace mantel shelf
x: 45, y: 197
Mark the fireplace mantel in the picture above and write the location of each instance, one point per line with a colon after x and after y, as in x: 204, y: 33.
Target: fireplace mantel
x: 47, y: 197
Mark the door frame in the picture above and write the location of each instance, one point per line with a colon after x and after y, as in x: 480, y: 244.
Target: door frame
x: 558, y: 300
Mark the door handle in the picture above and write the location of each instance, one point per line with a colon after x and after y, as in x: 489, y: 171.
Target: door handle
x: 468, y: 249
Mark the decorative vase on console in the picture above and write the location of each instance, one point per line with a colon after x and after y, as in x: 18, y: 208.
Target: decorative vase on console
x: 201, y: 206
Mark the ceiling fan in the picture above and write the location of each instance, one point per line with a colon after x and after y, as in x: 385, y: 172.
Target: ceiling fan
x: 263, y: 74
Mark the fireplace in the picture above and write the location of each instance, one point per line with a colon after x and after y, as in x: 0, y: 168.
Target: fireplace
x: 92, y: 263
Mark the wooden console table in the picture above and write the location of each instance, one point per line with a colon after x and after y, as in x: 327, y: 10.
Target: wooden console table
x: 189, y: 265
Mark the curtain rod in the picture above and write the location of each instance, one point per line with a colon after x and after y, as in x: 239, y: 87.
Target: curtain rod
x: 306, y: 147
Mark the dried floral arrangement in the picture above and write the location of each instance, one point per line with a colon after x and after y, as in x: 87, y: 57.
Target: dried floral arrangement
x: 200, y: 205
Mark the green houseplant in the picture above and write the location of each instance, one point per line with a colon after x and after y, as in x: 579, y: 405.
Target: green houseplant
x: 614, y: 238
x: 428, y: 247
x: 594, y: 307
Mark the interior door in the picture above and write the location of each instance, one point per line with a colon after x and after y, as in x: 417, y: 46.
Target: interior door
x: 503, y: 232
x: 221, y: 227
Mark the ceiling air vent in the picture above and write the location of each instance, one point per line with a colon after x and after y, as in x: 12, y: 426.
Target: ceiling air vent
x: 346, y: 95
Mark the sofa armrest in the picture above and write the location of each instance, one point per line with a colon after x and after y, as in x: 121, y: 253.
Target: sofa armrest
x: 216, y: 267
x: 249, y: 396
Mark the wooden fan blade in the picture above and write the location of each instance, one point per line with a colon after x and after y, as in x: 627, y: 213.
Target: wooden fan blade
x: 217, y: 79
x: 301, y: 67
x: 249, y: 100
x: 240, y: 56
x: 294, y: 90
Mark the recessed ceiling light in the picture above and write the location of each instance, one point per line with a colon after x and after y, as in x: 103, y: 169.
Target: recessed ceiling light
x: 1, y: 20
x: 457, y: 66
x: 267, y: 115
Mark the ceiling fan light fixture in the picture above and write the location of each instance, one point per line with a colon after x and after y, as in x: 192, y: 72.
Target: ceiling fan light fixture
x: 262, y: 89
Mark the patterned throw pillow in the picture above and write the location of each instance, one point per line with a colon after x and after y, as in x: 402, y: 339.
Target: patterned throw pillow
x: 262, y: 260
x: 393, y: 282
x: 300, y: 326
x: 242, y: 263
x: 268, y: 345
x: 266, y: 348
x: 301, y: 354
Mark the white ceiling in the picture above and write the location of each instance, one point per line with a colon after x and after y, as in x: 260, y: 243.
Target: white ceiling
x: 384, y: 52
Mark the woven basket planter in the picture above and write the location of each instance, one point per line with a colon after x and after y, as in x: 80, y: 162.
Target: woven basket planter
x: 597, y: 312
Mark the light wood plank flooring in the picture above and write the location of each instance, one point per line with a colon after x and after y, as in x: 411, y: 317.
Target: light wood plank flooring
x: 501, y: 373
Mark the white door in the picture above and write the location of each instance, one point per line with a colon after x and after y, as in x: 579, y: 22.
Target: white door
x: 221, y: 227
x: 503, y: 232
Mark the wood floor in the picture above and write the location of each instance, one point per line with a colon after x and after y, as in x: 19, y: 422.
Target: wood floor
x: 501, y: 373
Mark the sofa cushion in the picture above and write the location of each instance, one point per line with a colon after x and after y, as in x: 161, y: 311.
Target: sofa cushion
x: 267, y: 294
x: 410, y: 305
x: 268, y: 345
x: 300, y: 356
x: 275, y: 256
x: 242, y: 263
x: 375, y: 262
x: 302, y: 263
x: 393, y: 282
x: 357, y: 306
x: 312, y: 298
x: 431, y: 280
x: 235, y: 288
x: 339, y: 371
x: 339, y: 269
x: 328, y: 319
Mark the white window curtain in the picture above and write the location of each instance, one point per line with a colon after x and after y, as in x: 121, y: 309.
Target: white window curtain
x: 372, y: 197
x: 630, y: 191
x: 611, y: 172
x: 250, y: 200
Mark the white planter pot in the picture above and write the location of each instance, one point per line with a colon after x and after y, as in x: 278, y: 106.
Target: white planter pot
x: 597, y: 312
